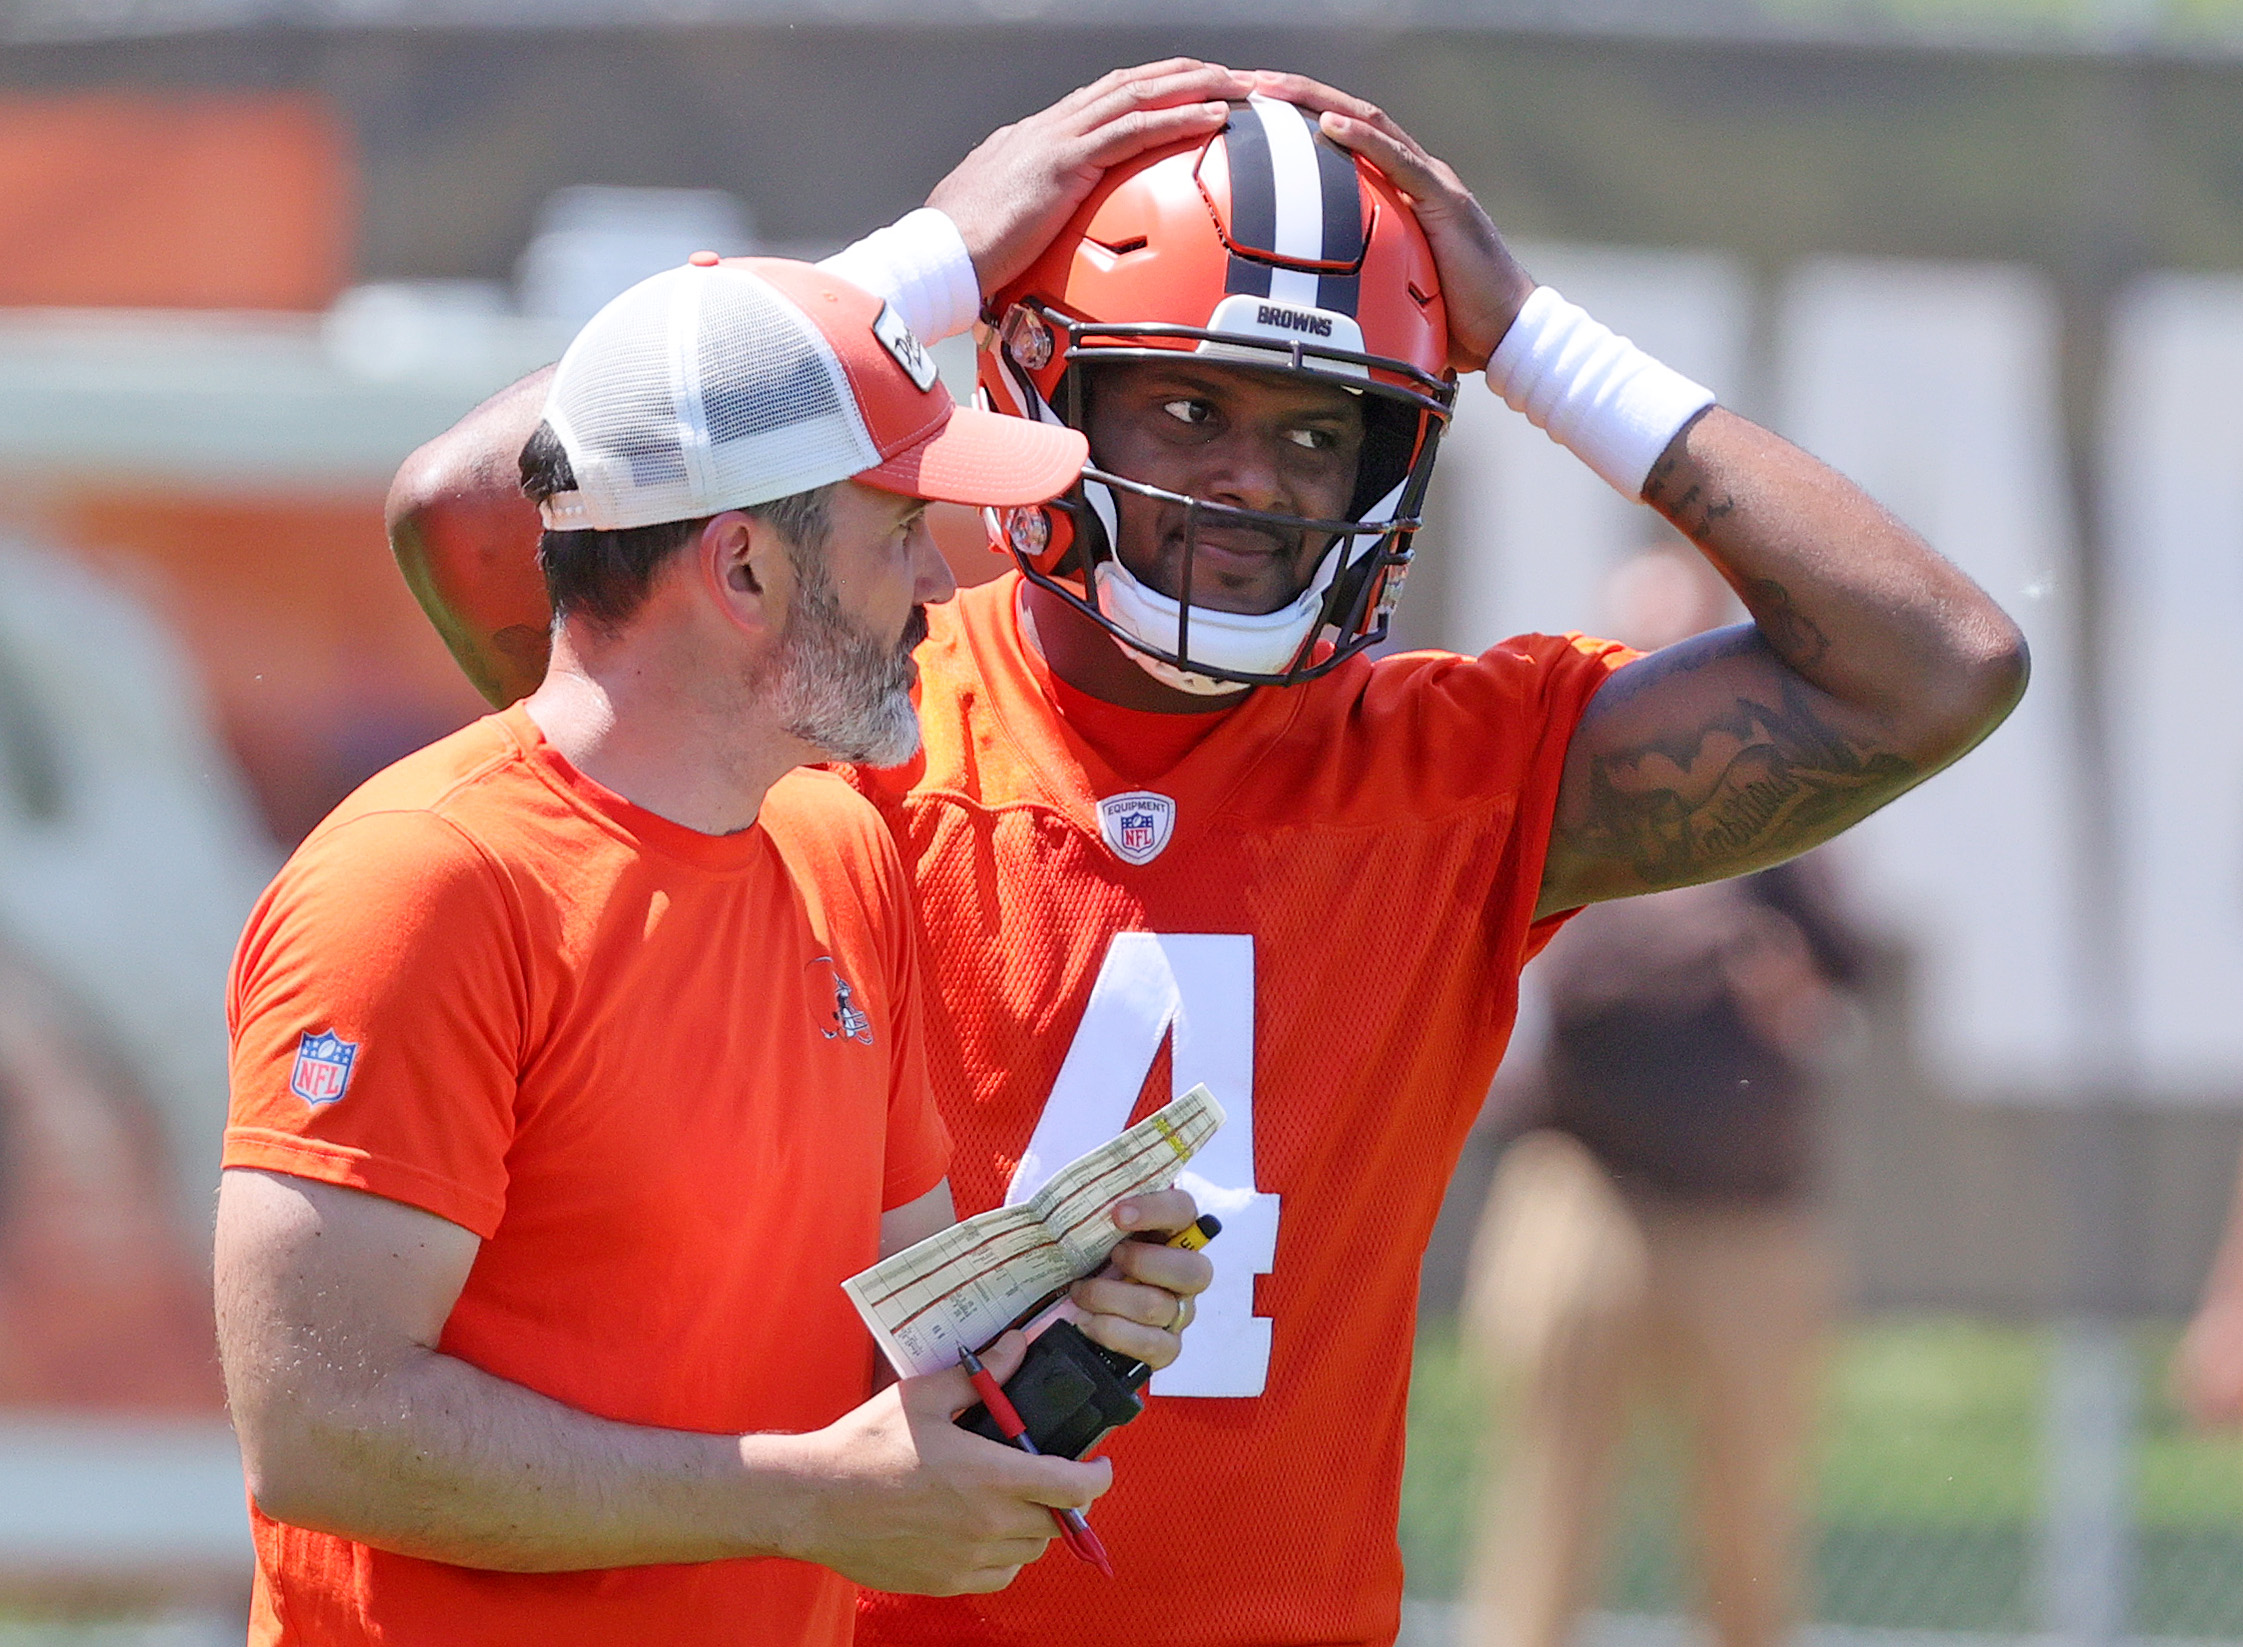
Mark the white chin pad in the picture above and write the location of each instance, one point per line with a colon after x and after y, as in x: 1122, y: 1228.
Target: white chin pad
x: 1253, y: 643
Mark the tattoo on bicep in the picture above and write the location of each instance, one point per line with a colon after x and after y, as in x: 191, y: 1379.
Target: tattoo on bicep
x: 1757, y: 782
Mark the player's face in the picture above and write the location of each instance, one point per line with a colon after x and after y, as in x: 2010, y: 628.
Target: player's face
x: 1223, y: 434
x: 844, y: 669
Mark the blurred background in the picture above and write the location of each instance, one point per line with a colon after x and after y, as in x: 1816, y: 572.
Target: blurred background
x: 1986, y: 256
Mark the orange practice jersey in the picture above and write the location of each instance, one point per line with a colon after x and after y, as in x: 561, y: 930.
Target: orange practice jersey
x: 670, y: 1079
x: 1320, y: 911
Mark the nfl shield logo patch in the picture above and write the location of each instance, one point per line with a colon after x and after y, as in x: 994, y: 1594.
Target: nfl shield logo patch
x: 322, y: 1071
x: 1137, y: 825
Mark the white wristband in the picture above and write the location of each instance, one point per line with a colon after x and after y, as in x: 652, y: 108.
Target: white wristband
x: 1592, y: 391
x: 920, y: 264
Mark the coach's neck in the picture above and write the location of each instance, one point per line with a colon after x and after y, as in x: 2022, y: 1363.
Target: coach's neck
x: 668, y: 708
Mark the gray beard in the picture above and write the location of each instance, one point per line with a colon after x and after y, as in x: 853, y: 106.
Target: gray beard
x: 842, y: 690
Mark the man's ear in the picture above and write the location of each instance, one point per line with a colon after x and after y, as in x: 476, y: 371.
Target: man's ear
x: 743, y: 565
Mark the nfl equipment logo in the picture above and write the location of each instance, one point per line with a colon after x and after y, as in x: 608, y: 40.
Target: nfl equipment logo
x: 322, y: 1071
x: 1137, y: 825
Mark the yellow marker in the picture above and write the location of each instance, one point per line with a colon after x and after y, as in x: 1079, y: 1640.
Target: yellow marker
x: 1197, y: 1233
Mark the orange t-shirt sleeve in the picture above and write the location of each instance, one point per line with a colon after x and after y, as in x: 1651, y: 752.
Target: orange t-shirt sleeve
x: 378, y: 1008
x: 918, y: 1149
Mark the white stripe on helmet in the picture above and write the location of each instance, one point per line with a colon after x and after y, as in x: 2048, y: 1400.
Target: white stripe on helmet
x: 1299, y: 233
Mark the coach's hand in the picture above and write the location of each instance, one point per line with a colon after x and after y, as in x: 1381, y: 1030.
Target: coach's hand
x: 1482, y: 284
x: 897, y: 1497
x: 1142, y: 1301
x: 1022, y: 182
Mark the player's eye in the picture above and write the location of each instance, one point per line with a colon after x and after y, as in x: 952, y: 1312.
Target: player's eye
x: 1194, y: 412
x: 1316, y: 440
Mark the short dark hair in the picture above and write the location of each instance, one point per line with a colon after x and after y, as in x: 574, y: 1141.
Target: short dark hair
x: 604, y: 576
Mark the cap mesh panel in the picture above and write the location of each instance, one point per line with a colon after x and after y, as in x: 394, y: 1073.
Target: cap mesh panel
x: 776, y: 407
x: 792, y: 384
x: 615, y: 388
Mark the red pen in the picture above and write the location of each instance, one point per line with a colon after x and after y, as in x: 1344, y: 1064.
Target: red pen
x: 1074, y: 1527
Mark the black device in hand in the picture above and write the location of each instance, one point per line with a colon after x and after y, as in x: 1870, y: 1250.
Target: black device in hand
x: 1070, y: 1392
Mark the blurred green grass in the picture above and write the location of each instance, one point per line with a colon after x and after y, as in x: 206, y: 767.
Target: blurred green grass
x: 1929, y: 1484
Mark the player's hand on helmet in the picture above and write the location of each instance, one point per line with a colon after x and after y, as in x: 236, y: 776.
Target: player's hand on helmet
x: 1143, y: 1300
x: 1022, y: 182
x: 897, y: 1497
x: 1482, y: 284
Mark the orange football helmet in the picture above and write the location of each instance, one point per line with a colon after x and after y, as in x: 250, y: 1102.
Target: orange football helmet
x: 1271, y: 247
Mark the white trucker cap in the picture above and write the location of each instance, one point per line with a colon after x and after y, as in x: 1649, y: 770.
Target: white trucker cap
x: 729, y: 382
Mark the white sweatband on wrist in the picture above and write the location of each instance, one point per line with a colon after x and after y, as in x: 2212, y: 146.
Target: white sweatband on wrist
x: 1592, y: 391
x: 920, y: 264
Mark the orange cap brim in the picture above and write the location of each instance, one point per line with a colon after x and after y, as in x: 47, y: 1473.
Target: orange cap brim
x: 984, y: 459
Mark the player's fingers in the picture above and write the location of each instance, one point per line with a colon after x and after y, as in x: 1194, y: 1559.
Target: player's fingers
x: 1081, y: 95
x: 1160, y: 1212
x: 1169, y: 90
x: 1288, y: 87
x: 1070, y: 108
x: 1407, y: 168
x: 1142, y: 130
x: 1323, y: 99
x: 1168, y: 68
x: 1183, y: 84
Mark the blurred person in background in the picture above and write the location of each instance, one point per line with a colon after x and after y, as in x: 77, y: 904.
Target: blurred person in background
x: 2207, y: 1372
x: 1653, y: 1235
x: 1174, y: 821
x: 102, y: 1298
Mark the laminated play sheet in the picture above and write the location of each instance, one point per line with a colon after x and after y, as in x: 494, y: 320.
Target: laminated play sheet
x: 963, y: 1286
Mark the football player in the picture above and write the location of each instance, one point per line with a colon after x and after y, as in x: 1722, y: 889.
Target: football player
x: 1174, y: 822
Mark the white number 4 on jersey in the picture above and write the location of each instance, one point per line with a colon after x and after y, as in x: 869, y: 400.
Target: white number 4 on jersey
x: 1201, y: 987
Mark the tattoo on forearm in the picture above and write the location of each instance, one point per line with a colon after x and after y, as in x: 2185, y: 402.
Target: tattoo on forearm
x: 1794, y: 635
x: 1757, y: 782
x: 1677, y: 493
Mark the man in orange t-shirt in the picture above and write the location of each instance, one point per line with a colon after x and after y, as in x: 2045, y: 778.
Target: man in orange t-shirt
x: 577, y: 1058
x: 1175, y: 821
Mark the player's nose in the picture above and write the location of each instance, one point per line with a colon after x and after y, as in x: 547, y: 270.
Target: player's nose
x: 1242, y: 469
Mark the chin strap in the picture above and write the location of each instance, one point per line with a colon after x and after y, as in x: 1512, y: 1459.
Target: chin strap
x: 1253, y: 643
